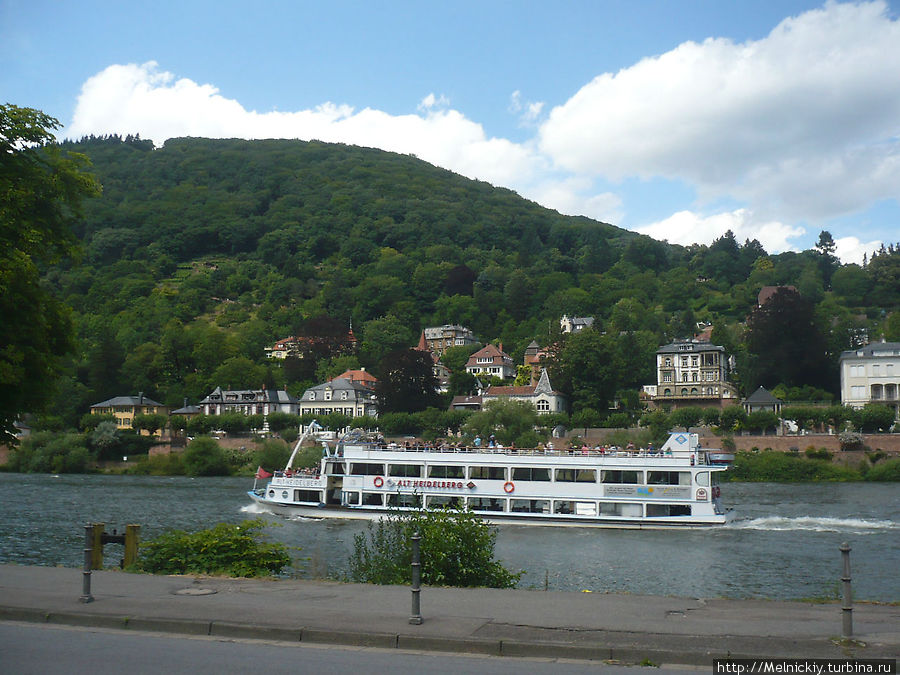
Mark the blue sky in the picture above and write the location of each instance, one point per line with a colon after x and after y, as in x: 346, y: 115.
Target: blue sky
x: 681, y: 119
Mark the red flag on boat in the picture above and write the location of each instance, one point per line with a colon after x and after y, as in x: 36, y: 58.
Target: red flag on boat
x: 262, y: 473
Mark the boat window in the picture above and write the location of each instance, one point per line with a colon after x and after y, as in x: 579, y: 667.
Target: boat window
x: 486, y: 504
x: 488, y: 472
x: 625, y: 509
x: 563, y: 506
x: 350, y: 498
x: 576, y: 475
x: 664, y: 510
x: 702, y: 478
x: 616, y: 476
x: 366, y: 469
x: 336, y: 468
x: 314, y: 496
x: 529, y: 505
x: 445, y: 471
x: 399, y: 499
x: 443, y: 502
x: 372, y: 499
x: 668, y: 478
x: 405, y: 470
x: 529, y: 473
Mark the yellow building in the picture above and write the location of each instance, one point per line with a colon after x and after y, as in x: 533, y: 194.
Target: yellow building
x: 125, y: 408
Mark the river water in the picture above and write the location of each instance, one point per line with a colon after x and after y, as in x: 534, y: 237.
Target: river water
x: 783, y: 543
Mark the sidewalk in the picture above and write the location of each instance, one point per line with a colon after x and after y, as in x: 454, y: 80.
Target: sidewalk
x: 626, y: 628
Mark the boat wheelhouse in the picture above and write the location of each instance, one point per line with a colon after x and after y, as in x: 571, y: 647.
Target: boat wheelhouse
x: 676, y: 485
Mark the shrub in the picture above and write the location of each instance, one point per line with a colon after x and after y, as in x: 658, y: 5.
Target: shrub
x: 885, y: 471
x: 51, y: 452
x: 272, y: 455
x: 782, y: 468
x: 234, y: 550
x: 457, y: 549
x: 158, y: 465
x: 851, y: 440
x: 821, y: 453
x: 204, y: 457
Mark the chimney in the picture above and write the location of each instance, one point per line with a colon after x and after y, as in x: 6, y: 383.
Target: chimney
x: 185, y: 402
x: 141, y: 398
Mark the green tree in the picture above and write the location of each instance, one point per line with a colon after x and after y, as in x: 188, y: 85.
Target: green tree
x: 149, y: 423
x: 457, y: 549
x: 41, y: 194
x: 406, y: 382
x: 509, y: 420
x: 204, y: 457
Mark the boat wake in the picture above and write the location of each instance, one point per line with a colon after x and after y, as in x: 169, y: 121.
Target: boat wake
x: 253, y: 507
x: 851, y: 525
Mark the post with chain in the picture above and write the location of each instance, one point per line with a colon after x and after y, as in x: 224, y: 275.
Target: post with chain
x: 88, y: 550
x: 847, y: 603
x: 416, y: 614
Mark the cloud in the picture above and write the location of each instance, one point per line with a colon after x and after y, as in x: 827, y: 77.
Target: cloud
x: 852, y: 250
x: 127, y: 99
x: 527, y: 111
x: 802, y: 123
x: 687, y: 227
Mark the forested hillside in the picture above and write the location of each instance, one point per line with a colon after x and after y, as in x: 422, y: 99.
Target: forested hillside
x: 202, y: 252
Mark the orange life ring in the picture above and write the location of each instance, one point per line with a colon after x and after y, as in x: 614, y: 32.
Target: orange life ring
x: 508, y: 487
x: 379, y: 481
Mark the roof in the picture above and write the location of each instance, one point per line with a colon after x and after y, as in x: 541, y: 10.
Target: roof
x: 490, y: 351
x: 873, y: 349
x: 466, y: 402
x: 542, y: 387
x: 766, y: 292
x: 127, y: 401
x: 360, y: 376
x: 689, y: 346
x: 188, y: 410
x: 248, y: 396
x: 762, y: 397
x: 360, y: 391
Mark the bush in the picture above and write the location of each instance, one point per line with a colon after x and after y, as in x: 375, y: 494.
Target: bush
x: 272, y: 455
x: 51, y: 452
x: 204, y: 457
x: 457, y: 549
x: 779, y: 467
x: 158, y: 465
x: 821, y: 453
x: 234, y: 550
x: 886, y: 471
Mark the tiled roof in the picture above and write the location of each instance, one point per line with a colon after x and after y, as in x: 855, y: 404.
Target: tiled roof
x: 127, y: 401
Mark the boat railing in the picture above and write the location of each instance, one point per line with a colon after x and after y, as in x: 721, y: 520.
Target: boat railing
x: 699, y: 456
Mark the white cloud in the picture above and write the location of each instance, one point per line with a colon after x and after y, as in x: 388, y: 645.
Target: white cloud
x: 432, y: 101
x: 133, y: 98
x: 574, y: 196
x: 527, y: 111
x: 687, y: 227
x: 802, y: 123
x: 852, y: 250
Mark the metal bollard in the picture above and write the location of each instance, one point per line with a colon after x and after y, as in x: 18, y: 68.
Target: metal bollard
x: 416, y: 614
x: 88, y: 549
x: 847, y: 604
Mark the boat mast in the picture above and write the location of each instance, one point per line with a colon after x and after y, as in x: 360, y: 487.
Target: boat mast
x: 312, y: 428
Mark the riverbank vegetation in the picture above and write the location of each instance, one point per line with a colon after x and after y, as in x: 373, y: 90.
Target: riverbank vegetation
x: 456, y: 548
x: 815, y: 466
x: 232, y: 550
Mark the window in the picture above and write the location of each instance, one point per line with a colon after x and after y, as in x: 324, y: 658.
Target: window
x: 486, y: 504
x: 665, y: 510
x: 617, y: 476
x: 372, y: 499
x: 530, y: 473
x: 529, y: 505
x: 350, y: 498
x: 364, y: 469
x: 488, y: 472
x: 857, y: 392
x: 410, y: 501
x: 621, y: 509
x: 668, y: 362
x: 543, y: 406
x: 312, y: 396
x: 445, y: 471
x: 314, y: 496
x: 344, y: 395
x: 668, y: 478
x: 877, y: 392
x: 667, y: 377
x: 328, y: 394
x: 576, y: 475
x: 405, y: 470
x: 443, y: 501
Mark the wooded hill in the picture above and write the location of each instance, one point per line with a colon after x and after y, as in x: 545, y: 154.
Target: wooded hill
x: 202, y: 252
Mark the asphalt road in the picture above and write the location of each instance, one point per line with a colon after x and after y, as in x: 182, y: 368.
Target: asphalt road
x: 40, y: 649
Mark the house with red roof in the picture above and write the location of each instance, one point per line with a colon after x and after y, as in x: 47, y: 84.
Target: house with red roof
x: 541, y: 395
x: 491, y: 361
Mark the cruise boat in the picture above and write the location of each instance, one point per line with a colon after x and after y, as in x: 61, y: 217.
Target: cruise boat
x: 361, y: 477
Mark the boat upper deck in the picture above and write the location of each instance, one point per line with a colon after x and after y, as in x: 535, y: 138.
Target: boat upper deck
x: 471, y: 454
